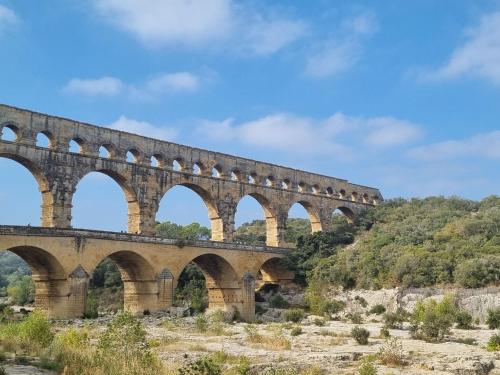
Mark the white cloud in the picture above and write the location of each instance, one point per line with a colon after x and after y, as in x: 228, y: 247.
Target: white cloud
x: 143, y: 128
x: 7, y: 18
x: 181, y: 81
x: 339, y: 54
x: 266, y: 37
x: 296, y: 134
x: 478, y: 56
x: 107, y: 86
x: 485, y: 145
x: 110, y: 86
x: 195, y: 23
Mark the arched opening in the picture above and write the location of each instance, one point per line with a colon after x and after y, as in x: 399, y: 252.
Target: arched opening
x: 256, y: 223
x: 178, y: 165
x: 329, y: 191
x: 123, y: 280
x: 366, y: 199
x: 250, y: 222
x: 315, y: 189
x: 76, y: 146
x: 157, y: 161
x: 252, y: 178
x: 235, y: 175
x: 342, y: 194
x: 132, y: 156
x: 343, y: 215
x: 213, y: 283
x: 44, y: 139
x: 274, y: 271
x: 285, y: 184
x: 269, y: 181
x: 354, y: 196
x: 301, y: 187
x: 105, y: 210
x: 198, y: 169
x: 217, y: 171
x: 23, y: 193
x: 9, y: 133
x: 35, y: 277
x: 107, y: 151
x: 302, y: 220
x: 183, y: 214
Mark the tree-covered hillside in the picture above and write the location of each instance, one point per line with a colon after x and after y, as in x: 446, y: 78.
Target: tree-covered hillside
x: 416, y: 243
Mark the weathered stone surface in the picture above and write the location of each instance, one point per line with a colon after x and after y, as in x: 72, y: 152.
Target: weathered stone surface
x: 62, y: 259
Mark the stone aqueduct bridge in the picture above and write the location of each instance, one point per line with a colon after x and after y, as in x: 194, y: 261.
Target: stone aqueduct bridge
x: 62, y: 258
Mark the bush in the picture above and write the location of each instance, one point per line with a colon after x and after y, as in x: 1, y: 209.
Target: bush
x: 361, y: 301
x: 431, y: 321
x: 395, y: 320
x: 493, y: 319
x: 384, y: 333
x: 201, y: 323
x: 91, y: 307
x: 377, y: 309
x: 294, y: 315
x: 203, y: 366
x: 123, y: 347
x: 493, y: 343
x: 296, y: 331
x: 319, y: 322
x: 476, y: 273
x: 356, y: 318
x: 360, y: 335
x: 391, y: 354
x: 252, y: 333
x: 367, y: 369
x: 22, y: 290
x: 333, y: 307
x: 463, y: 319
x: 278, y: 302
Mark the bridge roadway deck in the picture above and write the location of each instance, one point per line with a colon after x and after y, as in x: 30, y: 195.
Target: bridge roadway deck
x: 30, y: 231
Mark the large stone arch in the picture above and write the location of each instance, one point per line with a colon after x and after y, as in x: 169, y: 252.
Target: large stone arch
x: 222, y: 282
x: 271, y: 218
x: 216, y: 221
x: 133, y: 205
x: 347, y: 212
x: 53, y: 285
x: 47, y: 207
x: 140, y: 280
x: 274, y: 271
x: 313, y: 214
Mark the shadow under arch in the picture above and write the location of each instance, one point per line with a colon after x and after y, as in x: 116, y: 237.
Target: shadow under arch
x: 134, y: 209
x: 216, y: 222
x: 50, y: 279
x: 348, y: 213
x: 312, y: 214
x: 272, y: 233
x: 140, y: 281
x: 221, y: 281
x: 47, y: 209
x: 274, y: 271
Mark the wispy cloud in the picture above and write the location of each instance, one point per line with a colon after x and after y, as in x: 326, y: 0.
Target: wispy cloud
x: 104, y: 86
x: 295, y: 134
x: 111, y: 86
x: 144, y: 128
x: 342, y: 51
x: 201, y: 23
x: 485, y: 145
x: 8, y: 18
x: 479, y: 55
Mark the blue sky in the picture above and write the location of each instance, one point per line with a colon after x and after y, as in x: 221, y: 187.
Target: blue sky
x: 404, y: 96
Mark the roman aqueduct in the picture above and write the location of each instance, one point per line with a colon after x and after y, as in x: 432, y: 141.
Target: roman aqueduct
x: 62, y: 258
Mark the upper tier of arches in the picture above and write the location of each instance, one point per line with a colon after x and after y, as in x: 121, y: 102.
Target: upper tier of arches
x: 72, y: 137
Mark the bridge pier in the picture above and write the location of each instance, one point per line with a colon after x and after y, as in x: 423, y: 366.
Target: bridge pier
x: 141, y: 296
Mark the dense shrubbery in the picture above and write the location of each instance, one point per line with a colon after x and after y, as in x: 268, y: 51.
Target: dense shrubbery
x: 432, y: 320
x: 415, y: 243
x: 360, y: 335
x: 493, y: 319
